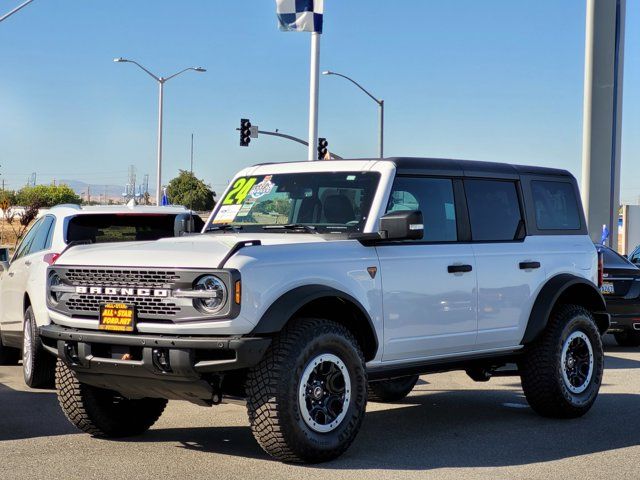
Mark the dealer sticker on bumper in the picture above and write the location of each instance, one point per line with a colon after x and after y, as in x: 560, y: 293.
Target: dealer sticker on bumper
x: 117, y: 317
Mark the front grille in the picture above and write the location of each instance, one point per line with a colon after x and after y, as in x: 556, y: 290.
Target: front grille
x: 121, y: 278
x: 90, y: 304
x: 150, y: 307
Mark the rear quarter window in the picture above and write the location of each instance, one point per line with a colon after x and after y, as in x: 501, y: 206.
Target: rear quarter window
x: 556, y: 205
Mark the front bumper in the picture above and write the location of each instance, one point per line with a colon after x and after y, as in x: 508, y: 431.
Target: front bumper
x: 143, y: 365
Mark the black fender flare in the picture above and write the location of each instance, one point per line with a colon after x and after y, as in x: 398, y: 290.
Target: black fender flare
x: 287, y: 305
x: 552, y: 291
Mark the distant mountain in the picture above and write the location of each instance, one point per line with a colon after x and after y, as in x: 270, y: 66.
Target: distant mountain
x: 97, y: 191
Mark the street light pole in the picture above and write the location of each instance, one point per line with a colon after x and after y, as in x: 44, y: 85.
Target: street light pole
x: 161, y: 81
x: 15, y: 10
x: 159, y: 167
x: 380, y: 103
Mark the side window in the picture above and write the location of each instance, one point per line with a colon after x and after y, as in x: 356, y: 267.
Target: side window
x: 42, y: 236
x: 555, y: 205
x: 434, y: 198
x: 494, y: 210
x: 25, y: 246
x: 49, y: 240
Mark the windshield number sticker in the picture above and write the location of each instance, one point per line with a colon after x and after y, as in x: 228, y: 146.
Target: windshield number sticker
x: 239, y: 191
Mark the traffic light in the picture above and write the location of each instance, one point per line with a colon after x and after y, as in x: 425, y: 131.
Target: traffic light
x: 322, y: 148
x: 245, y: 132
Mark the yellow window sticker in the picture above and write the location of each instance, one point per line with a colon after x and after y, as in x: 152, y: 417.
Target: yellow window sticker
x: 239, y: 191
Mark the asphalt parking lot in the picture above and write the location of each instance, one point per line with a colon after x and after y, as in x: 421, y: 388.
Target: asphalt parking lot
x: 450, y: 427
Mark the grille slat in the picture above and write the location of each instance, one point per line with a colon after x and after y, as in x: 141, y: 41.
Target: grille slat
x: 144, y: 305
x: 122, y: 278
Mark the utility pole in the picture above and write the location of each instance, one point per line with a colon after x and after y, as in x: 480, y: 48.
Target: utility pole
x: 191, y: 154
x: 602, y: 116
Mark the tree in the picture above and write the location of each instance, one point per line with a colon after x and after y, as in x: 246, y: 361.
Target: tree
x: 9, y: 196
x: 24, y: 220
x: 46, y: 195
x: 188, y: 190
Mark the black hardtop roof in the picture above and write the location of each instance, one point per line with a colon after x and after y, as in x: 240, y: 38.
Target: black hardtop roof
x: 458, y: 168
x: 469, y: 168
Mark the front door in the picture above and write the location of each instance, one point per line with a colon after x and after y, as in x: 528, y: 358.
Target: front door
x: 428, y: 286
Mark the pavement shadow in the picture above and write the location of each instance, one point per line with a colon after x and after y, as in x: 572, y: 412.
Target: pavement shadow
x: 451, y: 429
x: 31, y: 414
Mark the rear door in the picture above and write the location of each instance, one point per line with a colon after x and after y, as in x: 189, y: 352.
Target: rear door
x: 509, y: 264
x: 24, y: 263
x: 429, y: 286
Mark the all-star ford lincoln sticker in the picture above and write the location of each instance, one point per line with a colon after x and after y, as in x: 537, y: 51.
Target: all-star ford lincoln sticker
x: 316, y: 286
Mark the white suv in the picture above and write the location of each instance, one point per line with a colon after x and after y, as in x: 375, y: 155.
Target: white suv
x: 317, y: 285
x: 23, y: 280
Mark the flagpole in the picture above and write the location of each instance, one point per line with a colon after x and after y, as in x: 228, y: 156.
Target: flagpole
x: 314, y: 82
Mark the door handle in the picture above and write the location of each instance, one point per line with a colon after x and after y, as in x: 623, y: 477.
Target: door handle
x: 27, y: 263
x: 459, y: 268
x: 529, y: 265
x: 11, y: 274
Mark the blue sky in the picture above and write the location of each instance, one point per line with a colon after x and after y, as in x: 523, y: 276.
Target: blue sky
x: 494, y: 80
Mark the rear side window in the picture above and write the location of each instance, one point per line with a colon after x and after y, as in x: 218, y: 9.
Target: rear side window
x: 42, y: 236
x: 555, y: 205
x: 494, y: 210
x: 434, y: 198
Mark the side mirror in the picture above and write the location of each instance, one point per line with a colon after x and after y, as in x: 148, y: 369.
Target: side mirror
x: 4, y: 254
x: 402, y: 225
x: 183, y: 224
x: 4, y: 266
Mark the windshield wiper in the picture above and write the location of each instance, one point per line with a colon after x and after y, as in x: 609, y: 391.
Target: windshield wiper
x: 223, y: 227
x: 292, y: 227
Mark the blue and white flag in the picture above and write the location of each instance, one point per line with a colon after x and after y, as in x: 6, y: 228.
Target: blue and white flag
x: 605, y: 234
x: 300, y: 15
x: 165, y: 200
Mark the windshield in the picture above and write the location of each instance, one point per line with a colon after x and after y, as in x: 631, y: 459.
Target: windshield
x: 326, y: 201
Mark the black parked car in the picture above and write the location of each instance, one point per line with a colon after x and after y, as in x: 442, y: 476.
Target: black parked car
x: 621, y: 290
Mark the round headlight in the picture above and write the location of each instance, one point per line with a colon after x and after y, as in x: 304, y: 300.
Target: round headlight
x: 54, y: 280
x: 218, y: 294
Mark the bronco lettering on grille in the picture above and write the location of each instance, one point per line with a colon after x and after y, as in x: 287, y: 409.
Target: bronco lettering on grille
x: 124, y: 291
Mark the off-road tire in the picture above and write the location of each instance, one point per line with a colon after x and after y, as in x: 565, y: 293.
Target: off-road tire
x: 541, y: 369
x: 8, y: 355
x: 393, y: 390
x: 273, y: 385
x: 627, y: 339
x: 104, y: 413
x: 43, y: 364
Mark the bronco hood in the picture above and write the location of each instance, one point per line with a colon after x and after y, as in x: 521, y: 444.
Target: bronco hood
x: 195, y: 251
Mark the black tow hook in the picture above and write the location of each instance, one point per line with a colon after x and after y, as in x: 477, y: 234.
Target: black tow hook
x: 161, y: 359
x: 71, y: 353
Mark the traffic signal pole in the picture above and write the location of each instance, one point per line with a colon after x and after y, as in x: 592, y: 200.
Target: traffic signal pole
x: 292, y: 138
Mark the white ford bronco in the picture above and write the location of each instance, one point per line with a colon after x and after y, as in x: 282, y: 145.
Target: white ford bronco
x: 315, y: 286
